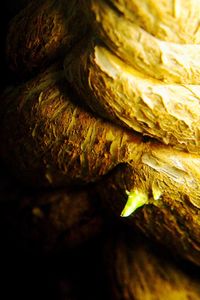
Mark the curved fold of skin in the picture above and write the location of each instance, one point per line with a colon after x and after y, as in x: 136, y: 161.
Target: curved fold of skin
x: 42, y: 32
x: 48, y: 138
x: 170, y: 62
x: 167, y: 112
x: 169, y: 182
x: 138, y: 270
x: 170, y: 20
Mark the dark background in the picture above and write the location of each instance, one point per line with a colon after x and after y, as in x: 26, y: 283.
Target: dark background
x: 75, y: 273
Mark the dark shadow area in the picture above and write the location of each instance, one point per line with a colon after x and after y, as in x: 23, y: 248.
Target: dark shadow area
x: 74, y: 273
x: 9, y: 9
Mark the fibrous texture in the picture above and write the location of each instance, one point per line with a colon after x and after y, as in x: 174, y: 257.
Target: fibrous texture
x: 59, y: 142
x: 47, y: 28
x: 141, y: 271
x: 56, y: 140
x: 163, y: 60
x: 145, y: 157
x: 165, y: 183
x: 168, y: 112
x: 172, y: 20
x: 143, y: 83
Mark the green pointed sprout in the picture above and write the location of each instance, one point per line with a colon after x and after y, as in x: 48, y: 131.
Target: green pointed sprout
x: 135, y: 200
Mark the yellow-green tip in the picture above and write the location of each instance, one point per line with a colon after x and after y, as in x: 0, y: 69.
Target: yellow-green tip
x: 135, y: 200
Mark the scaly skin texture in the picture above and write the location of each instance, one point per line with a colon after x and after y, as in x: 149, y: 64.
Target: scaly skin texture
x: 163, y: 60
x: 170, y: 182
x: 43, y: 31
x: 48, y: 139
x: 171, y: 20
x: 115, y: 90
x: 138, y: 270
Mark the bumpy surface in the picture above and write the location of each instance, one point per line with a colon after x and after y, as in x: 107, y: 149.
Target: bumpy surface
x: 43, y: 31
x: 159, y: 182
x: 128, y: 75
x: 168, y: 112
x: 171, y: 20
x: 152, y: 85
x: 57, y: 141
x: 170, y: 62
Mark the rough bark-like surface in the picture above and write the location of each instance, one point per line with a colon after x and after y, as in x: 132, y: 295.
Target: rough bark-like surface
x: 138, y: 270
x: 115, y: 90
x: 171, y: 20
x: 162, y: 60
x: 43, y: 31
x: 169, y: 216
x: 48, y: 139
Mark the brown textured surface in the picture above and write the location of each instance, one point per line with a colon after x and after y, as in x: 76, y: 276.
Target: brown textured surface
x: 170, y: 20
x: 171, y: 220
x: 154, y: 57
x: 49, y: 140
x: 47, y: 28
x: 168, y: 112
x: 139, y: 270
x: 58, y: 142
